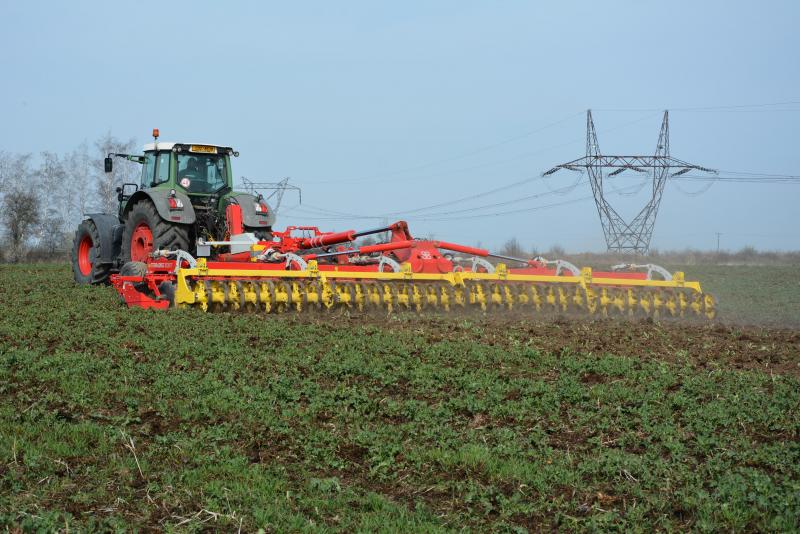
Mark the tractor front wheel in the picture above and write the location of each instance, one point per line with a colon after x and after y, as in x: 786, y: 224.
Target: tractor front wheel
x: 86, y: 266
x: 145, y: 231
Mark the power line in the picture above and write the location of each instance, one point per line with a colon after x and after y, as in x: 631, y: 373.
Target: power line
x: 518, y: 157
x: 343, y: 215
x: 714, y: 108
x: 522, y: 210
x: 308, y: 208
x: 561, y: 190
x: 503, y: 213
x: 443, y: 217
x: 745, y: 178
x: 376, y: 178
x: 467, y: 198
x: 320, y: 213
x: 426, y: 218
x: 740, y: 179
x: 762, y: 174
x: 508, y: 186
x: 703, y: 189
x: 466, y: 154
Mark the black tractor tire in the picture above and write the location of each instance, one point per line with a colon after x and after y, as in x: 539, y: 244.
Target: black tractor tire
x: 167, y: 290
x: 85, y: 255
x: 165, y: 235
x: 134, y: 268
x: 262, y: 234
x: 137, y: 269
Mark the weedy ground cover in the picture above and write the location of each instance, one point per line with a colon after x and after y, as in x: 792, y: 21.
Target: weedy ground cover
x: 762, y: 295
x: 113, y: 418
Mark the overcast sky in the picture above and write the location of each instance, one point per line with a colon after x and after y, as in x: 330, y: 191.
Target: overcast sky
x: 378, y: 109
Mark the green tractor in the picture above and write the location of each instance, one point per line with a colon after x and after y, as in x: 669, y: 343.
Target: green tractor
x: 184, y: 195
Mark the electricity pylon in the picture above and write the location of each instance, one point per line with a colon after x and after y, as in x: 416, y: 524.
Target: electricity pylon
x: 621, y: 236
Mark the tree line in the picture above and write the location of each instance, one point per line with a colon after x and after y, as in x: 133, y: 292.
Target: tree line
x: 44, y: 197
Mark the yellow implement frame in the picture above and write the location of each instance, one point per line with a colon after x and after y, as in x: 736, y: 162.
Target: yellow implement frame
x: 271, y: 291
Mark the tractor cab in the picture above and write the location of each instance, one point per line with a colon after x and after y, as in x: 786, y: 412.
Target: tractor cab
x: 195, y: 169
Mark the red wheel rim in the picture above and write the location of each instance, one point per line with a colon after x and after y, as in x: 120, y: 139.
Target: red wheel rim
x: 84, y: 261
x: 141, y: 242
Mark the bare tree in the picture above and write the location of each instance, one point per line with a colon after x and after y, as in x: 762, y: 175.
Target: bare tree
x: 512, y: 248
x: 124, y: 171
x: 55, y: 199
x: 21, y: 216
x: 78, y: 168
x: 15, y: 174
x: 15, y: 170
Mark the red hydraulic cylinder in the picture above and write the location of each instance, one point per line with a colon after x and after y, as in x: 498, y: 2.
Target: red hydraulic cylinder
x: 461, y: 248
x: 328, y: 239
x: 383, y: 247
x: 366, y: 249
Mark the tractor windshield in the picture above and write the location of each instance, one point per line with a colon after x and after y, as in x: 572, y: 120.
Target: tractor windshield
x: 202, y: 173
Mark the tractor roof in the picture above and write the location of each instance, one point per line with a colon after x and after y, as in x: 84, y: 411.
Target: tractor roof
x: 164, y: 145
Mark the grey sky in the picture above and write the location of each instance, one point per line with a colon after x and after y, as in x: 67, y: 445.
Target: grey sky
x: 378, y: 107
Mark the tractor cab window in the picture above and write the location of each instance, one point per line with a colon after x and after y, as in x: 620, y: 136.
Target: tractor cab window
x: 162, y: 171
x: 148, y: 170
x: 201, y: 173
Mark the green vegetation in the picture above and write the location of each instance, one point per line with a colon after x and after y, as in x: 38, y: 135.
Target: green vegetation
x: 765, y: 295
x: 112, y: 418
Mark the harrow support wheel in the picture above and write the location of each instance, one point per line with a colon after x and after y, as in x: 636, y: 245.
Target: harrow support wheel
x: 167, y: 290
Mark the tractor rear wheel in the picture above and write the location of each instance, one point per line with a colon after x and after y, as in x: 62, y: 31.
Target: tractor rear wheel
x: 145, y: 231
x: 86, y: 268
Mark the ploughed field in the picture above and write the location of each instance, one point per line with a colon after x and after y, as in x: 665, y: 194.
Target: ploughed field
x: 117, y: 418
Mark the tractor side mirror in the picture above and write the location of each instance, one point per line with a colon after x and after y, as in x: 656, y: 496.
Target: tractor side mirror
x: 122, y: 192
x: 108, y: 165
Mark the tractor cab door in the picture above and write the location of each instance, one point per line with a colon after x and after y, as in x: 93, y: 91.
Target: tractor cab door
x: 162, y: 167
x: 155, y: 169
x: 148, y: 170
